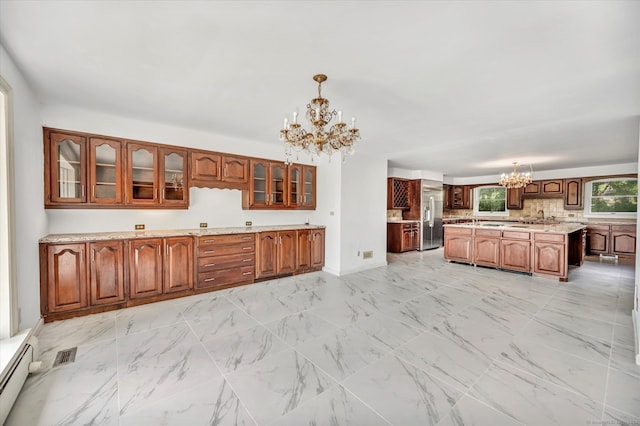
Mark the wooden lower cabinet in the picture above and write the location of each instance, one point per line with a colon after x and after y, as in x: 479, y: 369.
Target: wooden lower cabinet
x: 145, y: 268
x: 275, y: 253
x: 458, y: 244
x: 310, y: 250
x: 224, y: 260
x: 106, y: 272
x: 81, y: 278
x: 486, y: 248
x: 549, y: 254
x: 403, y: 237
x: 66, y: 273
x: 515, y: 254
x: 618, y: 240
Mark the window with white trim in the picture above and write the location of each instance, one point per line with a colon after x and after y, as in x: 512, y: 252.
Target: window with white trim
x: 615, y: 197
x: 490, y: 201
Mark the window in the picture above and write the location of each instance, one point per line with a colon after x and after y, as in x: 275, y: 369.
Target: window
x: 611, y: 197
x: 490, y: 201
x: 8, y: 309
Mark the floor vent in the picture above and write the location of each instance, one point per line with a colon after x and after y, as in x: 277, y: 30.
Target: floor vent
x: 65, y: 357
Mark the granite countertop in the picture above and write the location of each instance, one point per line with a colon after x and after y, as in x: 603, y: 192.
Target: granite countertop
x: 198, y: 232
x: 560, y: 228
x: 403, y: 221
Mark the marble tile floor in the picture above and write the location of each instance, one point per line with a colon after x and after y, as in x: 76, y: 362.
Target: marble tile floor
x: 418, y: 342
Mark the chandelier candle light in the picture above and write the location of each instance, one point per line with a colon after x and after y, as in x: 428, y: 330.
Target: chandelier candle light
x: 515, y: 179
x: 339, y: 137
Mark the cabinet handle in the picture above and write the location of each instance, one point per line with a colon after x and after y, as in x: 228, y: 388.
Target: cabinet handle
x: 93, y: 255
x: 82, y: 189
x: 209, y: 264
x: 247, y: 238
x: 93, y: 191
x: 247, y: 248
x: 156, y: 193
x: 209, y: 279
x: 247, y: 273
x: 159, y: 252
x: 225, y: 171
x: 210, y: 251
x: 209, y: 241
x: 164, y: 193
x: 247, y: 260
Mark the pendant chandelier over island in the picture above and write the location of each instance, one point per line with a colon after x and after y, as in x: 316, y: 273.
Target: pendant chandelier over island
x: 515, y: 179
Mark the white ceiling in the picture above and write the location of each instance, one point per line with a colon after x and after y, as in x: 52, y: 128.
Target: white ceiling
x: 458, y: 87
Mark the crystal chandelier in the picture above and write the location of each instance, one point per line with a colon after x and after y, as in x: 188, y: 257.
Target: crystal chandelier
x: 515, y: 179
x: 339, y: 137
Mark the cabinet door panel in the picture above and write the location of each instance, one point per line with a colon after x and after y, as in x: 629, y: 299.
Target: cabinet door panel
x: 68, y: 168
x: 552, y: 187
x: 514, y: 198
x: 515, y: 255
x: 266, y: 255
x: 296, y: 187
x: 173, y: 166
x: 286, y: 252
x: 623, y: 243
x: 303, y: 256
x: 178, y: 264
x: 107, y: 272
x: 573, y: 194
x: 67, y: 277
x: 486, y: 251
x: 309, y: 195
x: 317, y: 248
x: 457, y: 248
x: 205, y: 166
x: 259, y: 188
x: 145, y: 268
x: 278, y: 187
x: 235, y: 170
x: 105, y: 171
x: 142, y: 177
x: 598, y: 241
x: 549, y: 258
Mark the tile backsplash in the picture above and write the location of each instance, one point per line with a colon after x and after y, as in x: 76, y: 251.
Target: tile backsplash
x: 531, y: 207
x: 394, y: 215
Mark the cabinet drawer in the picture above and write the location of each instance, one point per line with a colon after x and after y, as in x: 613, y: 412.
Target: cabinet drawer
x: 599, y: 228
x: 225, y: 276
x: 226, y: 239
x: 215, y: 263
x: 623, y: 228
x: 410, y: 225
x: 219, y: 250
x: 556, y: 238
x: 515, y: 235
x: 487, y: 232
x: 457, y: 231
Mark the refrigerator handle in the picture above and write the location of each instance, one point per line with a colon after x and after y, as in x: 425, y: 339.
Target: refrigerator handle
x: 432, y: 208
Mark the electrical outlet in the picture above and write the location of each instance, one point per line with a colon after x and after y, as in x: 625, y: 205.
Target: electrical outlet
x: 248, y: 223
x: 203, y: 224
x: 139, y: 226
x: 367, y: 254
x: 571, y: 215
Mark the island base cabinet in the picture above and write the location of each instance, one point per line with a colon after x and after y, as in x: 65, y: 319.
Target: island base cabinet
x: 458, y: 244
x: 486, y: 251
x: 549, y: 259
x: 515, y: 255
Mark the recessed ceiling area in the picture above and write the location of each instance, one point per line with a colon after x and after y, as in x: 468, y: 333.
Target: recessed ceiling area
x: 460, y: 88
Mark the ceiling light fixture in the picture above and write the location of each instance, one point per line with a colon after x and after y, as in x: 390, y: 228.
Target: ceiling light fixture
x: 515, y: 179
x: 339, y: 137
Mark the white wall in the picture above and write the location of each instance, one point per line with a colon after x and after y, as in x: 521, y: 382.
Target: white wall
x: 636, y: 303
x: 30, y: 219
x: 363, y: 227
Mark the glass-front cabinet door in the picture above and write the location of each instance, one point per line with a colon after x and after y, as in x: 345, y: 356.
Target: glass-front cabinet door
x: 295, y: 185
x: 259, y: 195
x: 278, y: 185
x: 105, y: 171
x: 309, y: 196
x: 68, y: 166
x: 142, y: 179
x: 174, y: 185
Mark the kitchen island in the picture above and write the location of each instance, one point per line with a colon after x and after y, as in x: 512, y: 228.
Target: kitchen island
x: 542, y: 250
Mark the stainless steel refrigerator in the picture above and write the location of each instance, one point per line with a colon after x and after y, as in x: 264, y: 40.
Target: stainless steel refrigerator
x: 432, y: 201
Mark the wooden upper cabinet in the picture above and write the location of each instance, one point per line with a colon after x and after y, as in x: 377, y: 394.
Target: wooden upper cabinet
x: 461, y: 197
x: 142, y: 174
x: 216, y: 170
x: 309, y: 188
x: 514, y: 198
x: 544, y: 188
x: 573, y: 194
x: 65, y: 168
x: 105, y: 171
x: 397, y: 193
x: 173, y: 177
x: 296, y: 185
x: 268, y: 185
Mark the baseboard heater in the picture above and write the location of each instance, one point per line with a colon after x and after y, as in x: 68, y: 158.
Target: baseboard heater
x: 13, y: 381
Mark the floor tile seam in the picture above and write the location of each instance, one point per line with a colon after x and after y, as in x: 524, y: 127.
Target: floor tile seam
x: 224, y: 377
x: 119, y: 404
x: 256, y: 319
x: 567, y: 389
x: 182, y: 320
x: 224, y: 334
x: 606, y: 383
x: 633, y: 416
x: 485, y: 405
x: 556, y: 327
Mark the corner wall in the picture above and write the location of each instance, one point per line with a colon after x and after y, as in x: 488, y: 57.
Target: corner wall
x: 636, y: 302
x: 30, y: 221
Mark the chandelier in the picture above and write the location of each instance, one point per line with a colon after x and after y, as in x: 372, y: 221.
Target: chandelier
x: 318, y: 139
x: 515, y: 179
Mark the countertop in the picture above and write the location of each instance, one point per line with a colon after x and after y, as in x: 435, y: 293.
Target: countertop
x: 583, y: 221
x: 560, y: 228
x: 198, y: 232
x: 403, y: 221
